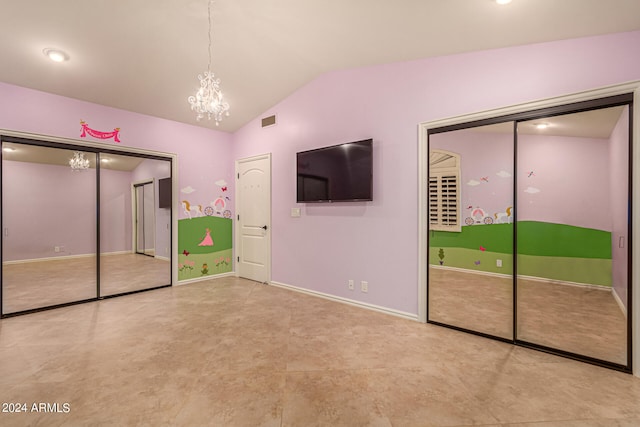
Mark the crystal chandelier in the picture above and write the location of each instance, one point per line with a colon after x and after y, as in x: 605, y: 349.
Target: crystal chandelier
x: 208, y: 100
x: 78, y: 162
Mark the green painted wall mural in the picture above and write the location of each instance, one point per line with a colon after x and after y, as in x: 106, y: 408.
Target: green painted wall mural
x: 553, y: 251
x: 205, y: 246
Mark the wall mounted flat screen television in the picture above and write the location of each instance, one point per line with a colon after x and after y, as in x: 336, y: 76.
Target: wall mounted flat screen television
x: 164, y: 193
x: 339, y: 173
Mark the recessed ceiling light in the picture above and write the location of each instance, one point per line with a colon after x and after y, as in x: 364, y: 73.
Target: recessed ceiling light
x: 103, y: 160
x: 56, y: 55
x: 541, y: 125
x: 503, y: 1
x: 8, y: 149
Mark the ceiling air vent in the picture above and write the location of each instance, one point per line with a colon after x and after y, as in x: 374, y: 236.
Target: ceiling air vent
x: 269, y: 121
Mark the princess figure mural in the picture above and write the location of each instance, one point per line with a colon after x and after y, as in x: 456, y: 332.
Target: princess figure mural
x: 207, y: 241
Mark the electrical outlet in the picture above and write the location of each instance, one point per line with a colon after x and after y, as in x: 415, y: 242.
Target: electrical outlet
x: 364, y: 286
x: 498, y: 263
x: 351, y: 285
x: 56, y: 249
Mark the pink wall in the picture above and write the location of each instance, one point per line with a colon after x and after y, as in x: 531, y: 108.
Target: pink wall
x: 378, y: 241
x: 48, y: 205
x: 204, y: 155
x: 115, y: 211
x: 572, y: 176
x: 375, y: 241
x: 482, y: 156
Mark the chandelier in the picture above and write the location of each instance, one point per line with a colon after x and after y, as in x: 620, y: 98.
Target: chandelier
x: 78, y: 162
x: 208, y: 100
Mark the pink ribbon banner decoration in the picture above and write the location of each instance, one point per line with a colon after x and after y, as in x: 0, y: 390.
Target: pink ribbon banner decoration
x: 97, y: 134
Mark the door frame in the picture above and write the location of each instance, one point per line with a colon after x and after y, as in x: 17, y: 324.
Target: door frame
x: 585, y: 96
x: 134, y: 217
x: 236, y: 228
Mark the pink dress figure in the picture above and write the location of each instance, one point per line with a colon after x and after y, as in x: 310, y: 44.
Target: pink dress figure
x: 207, y: 241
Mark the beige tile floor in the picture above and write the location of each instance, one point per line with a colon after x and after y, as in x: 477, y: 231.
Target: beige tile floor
x: 230, y: 352
x: 38, y: 284
x: 580, y: 320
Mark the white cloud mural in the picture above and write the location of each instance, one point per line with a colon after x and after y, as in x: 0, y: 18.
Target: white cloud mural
x: 503, y: 174
x: 473, y: 183
x: 221, y: 183
x: 188, y: 190
x: 532, y: 190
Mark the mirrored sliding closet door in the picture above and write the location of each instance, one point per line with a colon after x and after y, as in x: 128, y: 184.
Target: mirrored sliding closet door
x: 572, y: 232
x: 135, y: 232
x: 81, y: 223
x: 471, y: 229
x: 529, y: 228
x: 49, y: 226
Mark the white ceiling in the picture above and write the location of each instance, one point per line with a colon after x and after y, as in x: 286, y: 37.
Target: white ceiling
x: 144, y: 56
x: 586, y: 124
x: 61, y: 157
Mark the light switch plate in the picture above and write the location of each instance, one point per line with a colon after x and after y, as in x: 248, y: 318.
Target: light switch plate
x: 295, y: 212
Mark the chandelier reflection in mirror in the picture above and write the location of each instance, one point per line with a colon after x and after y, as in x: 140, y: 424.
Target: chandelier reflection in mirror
x: 208, y: 100
x: 78, y: 162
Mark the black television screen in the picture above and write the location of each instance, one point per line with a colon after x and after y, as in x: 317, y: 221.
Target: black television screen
x: 164, y: 193
x: 339, y: 173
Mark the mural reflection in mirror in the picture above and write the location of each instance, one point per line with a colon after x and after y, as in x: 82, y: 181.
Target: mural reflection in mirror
x: 471, y: 229
x: 570, y: 235
x: 573, y: 205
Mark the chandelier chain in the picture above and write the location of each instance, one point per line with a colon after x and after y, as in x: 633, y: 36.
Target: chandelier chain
x: 209, y: 16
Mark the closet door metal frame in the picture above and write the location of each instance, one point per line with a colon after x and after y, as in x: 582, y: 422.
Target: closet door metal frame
x: 625, y: 99
x: 144, y: 245
x: 88, y: 149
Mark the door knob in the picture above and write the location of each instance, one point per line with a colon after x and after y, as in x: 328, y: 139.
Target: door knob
x: 264, y: 227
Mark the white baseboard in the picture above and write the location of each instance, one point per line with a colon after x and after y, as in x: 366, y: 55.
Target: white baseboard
x: 619, y: 301
x: 63, y: 257
x: 116, y: 253
x: 521, y: 276
x: 162, y: 258
x: 465, y: 270
x: 398, y: 313
x: 205, y: 278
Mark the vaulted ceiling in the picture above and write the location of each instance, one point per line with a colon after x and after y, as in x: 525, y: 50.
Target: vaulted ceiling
x: 144, y: 56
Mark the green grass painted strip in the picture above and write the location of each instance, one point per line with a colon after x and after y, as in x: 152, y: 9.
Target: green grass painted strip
x: 495, y: 237
x: 192, y: 231
x: 199, y: 265
x: 534, y: 238
x: 473, y: 259
x: 569, y: 269
x: 547, y: 239
x: 579, y: 270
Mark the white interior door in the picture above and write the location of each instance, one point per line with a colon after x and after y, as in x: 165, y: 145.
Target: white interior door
x: 254, y: 218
